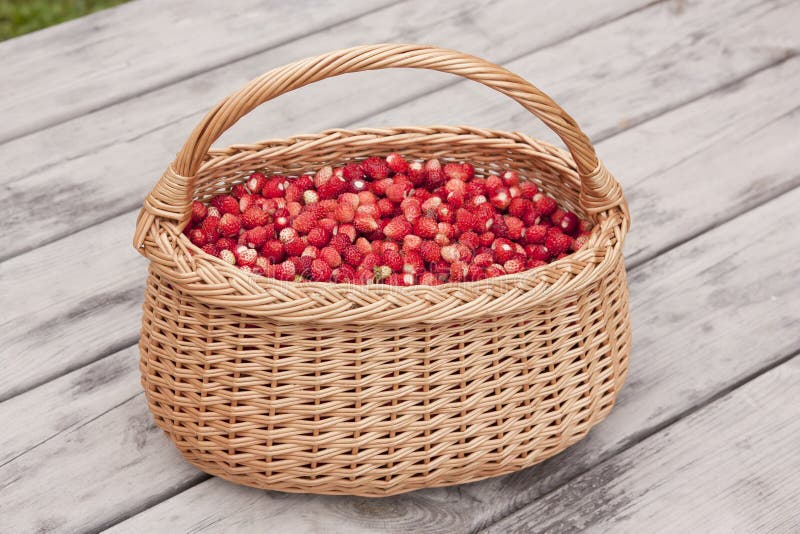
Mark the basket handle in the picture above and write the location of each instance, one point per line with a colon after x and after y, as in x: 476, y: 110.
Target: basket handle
x: 172, y: 196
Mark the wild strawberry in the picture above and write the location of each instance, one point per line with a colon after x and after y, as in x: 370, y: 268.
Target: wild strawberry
x: 515, y: 228
x: 393, y: 260
x: 284, y: 271
x: 531, y: 218
x: 211, y: 225
x: 434, y: 173
x: 585, y: 226
x: 211, y: 248
x: 493, y: 184
x: 416, y: 173
x: 518, y: 207
x: 198, y: 236
x: 245, y: 256
x: 363, y: 276
x: 227, y: 256
x: 352, y: 255
x: 545, y: 205
x: 302, y: 266
x: 450, y: 254
x: 288, y: 234
x: 319, y: 237
x: 256, y: 237
x: 484, y: 259
x: 514, y: 191
x: 412, y: 209
x: 385, y: 207
x: 499, y: 226
x: 344, y: 213
x: 428, y: 279
x: 430, y: 205
x: 537, y: 252
x: 532, y: 264
x: 238, y: 191
x: 256, y: 182
x: 310, y: 197
x: 396, y: 162
x: 426, y: 228
x: 397, y: 280
x: 273, y: 251
x: 304, y: 182
x: 458, y: 271
x: 348, y: 230
x: 475, y: 273
x: 411, y: 242
x: 510, y: 178
x: 274, y: 187
x: 503, y: 250
x: 339, y: 242
x: 311, y: 251
x: 397, y: 229
x: 365, y: 223
x: 226, y: 204
x: 281, y: 219
x: 352, y: 171
x: 413, y: 262
x: 430, y: 251
x: 494, y: 270
x: 330, y: 256
x: 535, y: 234
x: 344, y: 274
x: 455, y: 171
x: 528, y: 190
x: 501, y: 198
x: 254, y: 217
x: 556, y: 216
x: 226, y: 243
x: 358, y: 185
x: 470, y: 239
x: 375, y: 168
x: 486, y: 239
x: 304, y: 222
x: 333, y: 188
x: 214, y: 212
x: 514, y: 265
x: 557, y: 242
x: 465, y: 221
x: 569, y: 223
x: 322, y: 176
x: 229, y: 225
x: 296, y: 247
x: 199, y: 211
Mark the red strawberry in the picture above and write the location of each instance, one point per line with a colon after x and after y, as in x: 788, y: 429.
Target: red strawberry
x: 330, y: 256
x: 275, y: 186
x: 393, y: 260
x: 430, y: 251
x: 515, y: 228
x: 245, y: 256
x: 284, y: 271
x: 310, y: 197
x: 256, y: 237
x: 365, y: 223
x: 296, y: 247
x: 229, y: 225
x: 428, y: 279
x: 281, y: 219
x: 211, y: 248
x: 238, y: 191
x: 475, y: 273
x: 510, y: 178
x: 486, y: 239
x: 397, y: 229
x: 226, y: 243
x: 288, y: 234
x: 416, y: 173
x: 396, y: 162
x: 254, y: 217
x: 426, y: 228
x: 465, y: 221
x: 199, y: 211
x: 470, y: 239
x: 493, y: 184
x: 557, y: 242
x: 501, y: 199
x: 411, y: 242
x: 304, y: 222
x: 375, y: 168
x: 304, y: 182
x: 339, y: 242
x: 256, y: 182
x: 503, y: 250
x: 199, y: 237
x: 226, y: 204
x: 579, y: 242
x: 537, y: 252
x: 458, y: 271
x: 319, y: 237
x: 343, y: 274
x: 518, y: 207
x: 457, y: 171
x: 535, y: 234
x: 399, y: 279
x: 545, y: 205
x: 211, y: 225
x: 352, y: 171
x: 413, y: 262
x: 344, y: 212
x: 412, y: 209
x: 385, y: 207
x: 352, y: 255
x: 363, y: 276
x: 569, y: 223
x: 397, y: 191
x: 494, y: 270
x: 273, y: 251
x: 514, y: 265
x: 434, y: 173
x: 484, y: 259
x: 323, y: 175
x: 528, y: 190
x: 532, y: 264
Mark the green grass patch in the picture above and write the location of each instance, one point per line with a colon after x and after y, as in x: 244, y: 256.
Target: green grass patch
x: 23, y: 16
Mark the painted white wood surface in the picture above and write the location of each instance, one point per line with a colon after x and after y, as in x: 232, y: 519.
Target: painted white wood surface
x: 696, y: 108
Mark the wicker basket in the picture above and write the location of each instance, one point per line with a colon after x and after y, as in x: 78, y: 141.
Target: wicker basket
x: 376, y: 390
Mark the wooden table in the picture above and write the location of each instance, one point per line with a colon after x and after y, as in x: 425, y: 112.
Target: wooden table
x: 695, y: 106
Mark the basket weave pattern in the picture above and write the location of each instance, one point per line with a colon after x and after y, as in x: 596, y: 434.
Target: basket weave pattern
x: 376, y: 390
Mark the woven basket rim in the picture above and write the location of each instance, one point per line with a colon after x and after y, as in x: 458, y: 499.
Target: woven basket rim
x: 558, y: 278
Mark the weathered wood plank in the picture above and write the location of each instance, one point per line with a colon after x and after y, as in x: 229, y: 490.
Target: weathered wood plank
x: 731, y: 467
x: 86, y: 165
x: 750, y: 255
x: 85, y: 64
x: 101, y: 292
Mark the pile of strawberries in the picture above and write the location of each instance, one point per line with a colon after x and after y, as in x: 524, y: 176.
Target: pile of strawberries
x: 386, y: 221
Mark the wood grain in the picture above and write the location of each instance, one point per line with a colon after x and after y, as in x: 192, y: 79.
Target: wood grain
x: 741, y: 274
x: 88, y: 173
x: 709, y: 273
x: 94, y: 61
x: 730, y: 467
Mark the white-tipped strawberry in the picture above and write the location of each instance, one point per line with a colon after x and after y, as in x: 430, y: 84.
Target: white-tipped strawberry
x: 323, y: 175
x: 256, y: 182
x: 245, y: 256
x: 310, y: 197
x: 227, y: 256
x: 288, y: 234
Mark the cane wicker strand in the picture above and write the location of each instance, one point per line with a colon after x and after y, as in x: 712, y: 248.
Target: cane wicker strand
x: 377, y: 390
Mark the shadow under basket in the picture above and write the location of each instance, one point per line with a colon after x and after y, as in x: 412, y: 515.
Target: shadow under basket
x: 376, y: 390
